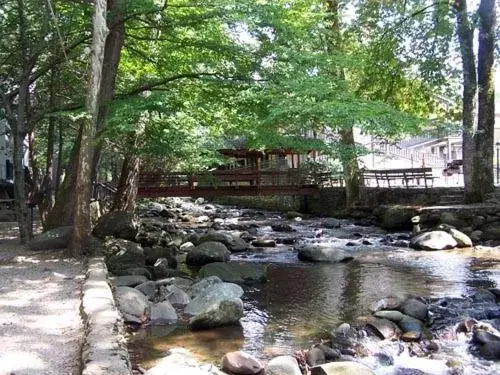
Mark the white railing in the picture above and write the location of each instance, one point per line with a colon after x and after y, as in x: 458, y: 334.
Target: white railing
x: 421, y: 159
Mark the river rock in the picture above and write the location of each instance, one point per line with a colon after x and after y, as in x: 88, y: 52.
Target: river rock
x: 323, y: 253
x: 152, y: 254
x: 341, y: 368
x: 452, y: 219
x: 186, y: 246
x: 212, y: 294
x: 483, y: 295
x: 147, y: 288
x: 241, y: 363
x: 119, y: 224
x: 388, y: 303
x: 409, y: 324
x: 181, y: 362
x: 435, y: 240
x: 233, y: 243
x: 462, y: 239
x: 133, y: 305
x: 183, y: 283
x: 488, y: 344
x: 175, y: 295
x: 56, y: 238
x: 163, y: 313
x: 315, y: 356
x: 128, y: 280
x: 392, y: 315
x: 384, y: 328
x: 329, y: 353
x: 282, y: 227
x: 162, y: 270
x: 134, y: 271
x: 264, y: 242
x: 239, y: 273
x: 491, y: 232
x: 123, y: 254
x: 218, y: 312
x: 397, y: 217
x: 208, y: 252
x: 283, y: 365
x: 331, y: 223
x: 198, y: 288
x: 415, y: 309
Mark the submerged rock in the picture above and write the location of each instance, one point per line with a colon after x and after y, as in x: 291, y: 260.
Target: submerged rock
x: 322, y: 253
x: 239, y: 273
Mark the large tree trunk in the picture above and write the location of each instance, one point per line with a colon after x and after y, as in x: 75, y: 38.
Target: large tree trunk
x: 128, y: 184
x: 465, y: 38
x: 112, y: 53
x: 483, y: 160
x: 349, y: 155
x: 83, y: 189
x: 60, y: 157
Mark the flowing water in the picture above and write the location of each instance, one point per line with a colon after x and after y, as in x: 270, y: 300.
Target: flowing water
x: 302, y: 302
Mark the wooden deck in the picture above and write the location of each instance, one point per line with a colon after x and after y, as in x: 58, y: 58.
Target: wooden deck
x: 240, y: 182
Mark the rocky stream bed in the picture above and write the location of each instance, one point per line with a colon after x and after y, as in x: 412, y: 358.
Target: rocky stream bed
x: 210, y: 289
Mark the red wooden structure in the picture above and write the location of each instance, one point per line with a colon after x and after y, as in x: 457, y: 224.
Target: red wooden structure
x: 233, y: 182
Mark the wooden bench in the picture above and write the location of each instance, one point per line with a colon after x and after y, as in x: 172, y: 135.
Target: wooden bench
x: 409, y: 176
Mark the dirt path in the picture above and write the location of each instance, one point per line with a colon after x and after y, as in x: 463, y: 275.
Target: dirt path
x: 40, y: 325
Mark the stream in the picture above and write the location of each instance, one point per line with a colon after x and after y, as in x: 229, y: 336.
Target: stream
x: 302, y: 303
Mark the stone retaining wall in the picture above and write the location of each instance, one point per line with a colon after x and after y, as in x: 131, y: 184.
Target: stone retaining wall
x: 105, y: 348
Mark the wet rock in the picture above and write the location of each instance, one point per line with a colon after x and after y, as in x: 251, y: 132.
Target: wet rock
x: 219, y: 312
x: 239, y: 273
x: 392, y: 315
x: 212, y: 294
x: 329, y: 353
x: 462, y: 239
x: 152, y: 254
x: 262, y: 242
x: 181, y: 362
x: 435, y: 240
x: 343, y: 329
x: 186, y: 246
x: 331, y: 223
x: 483, y: 295
x: 321, y: 253
x: 409, y: 324
x: 128, y: 280
x: 352, y: 243
x: 56, y: 238
x: 122, y: 254
x: 208, y: 252
x: 180, y: 282
x: 147, y: 288
x: 283, y: 365
x: 133, y: 305
x: 162, y: 269
x: 134, y: 271
x: 118, y: 224
x: 198, y: 288
x: 491, y: 232
x: 233, y: 243
x: 397, y: 217
x: 388, y: 303
x: 487, y: 344
x: 341, y: 368
x: 452, y: 219
x: 282, y: 227
x: 163, y: 313
x: 476, y: 235
x: 408, y: 371
x: 241, y: 363
x: 315, y: 357
x: 384, y: 359
x: 415, y: 309
x: 383, y: 328
x: 175, y: 295
x: 411, y: 336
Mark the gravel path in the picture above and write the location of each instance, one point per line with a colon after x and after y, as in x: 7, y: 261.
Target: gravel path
x: 40, y: 325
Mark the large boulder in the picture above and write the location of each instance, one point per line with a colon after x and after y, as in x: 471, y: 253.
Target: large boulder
x: 208, y: 252
x: 241, y: 363
x: 239, y: 273
x: 331, y: 223
x: 129, y: 280
x: 175, y: 295
x: 341, y: 368
x: 118, y: 224
x: 133, y: 305
x: 57, y: 238
x: 434, y: 240
x: 462, y: 239
x: 323, y: 253
x: 217, y: 305
x: 384, y: 328
x: 199, y: 287
x: 415, y: 309
x: 162, y: 270
x: 283, y: 365
x: 152, y: 254
x: 122, y: 254
x: 163, y: 313
x: 491, y: 232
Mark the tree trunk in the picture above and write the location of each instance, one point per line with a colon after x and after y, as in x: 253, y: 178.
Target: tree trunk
x: 483, y: 160
x: 465, y: 38
x: 60, y: 157
x: 128, y: 184
x: 112, y: 53
x: 83, y: 188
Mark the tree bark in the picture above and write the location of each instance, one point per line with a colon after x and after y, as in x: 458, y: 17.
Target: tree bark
x: 83, y: 188
x: 128, y: 184
x: 483, y: 159
x: 465, y: 38
x: 112, y: 53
